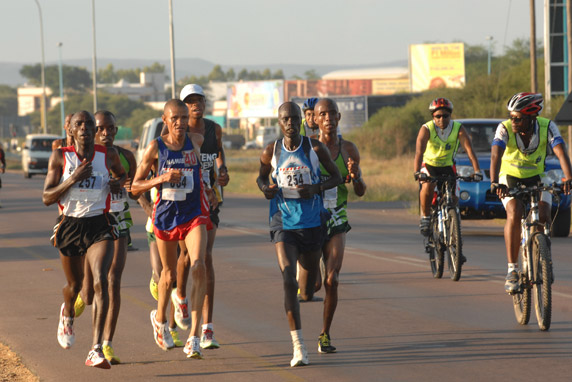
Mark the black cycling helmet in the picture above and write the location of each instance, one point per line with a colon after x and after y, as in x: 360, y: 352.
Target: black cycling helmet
x: 526, y: 103
x: 440, y: 103
x: 309, y: 104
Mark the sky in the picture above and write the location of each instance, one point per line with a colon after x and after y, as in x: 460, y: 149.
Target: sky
x: 247, y: 32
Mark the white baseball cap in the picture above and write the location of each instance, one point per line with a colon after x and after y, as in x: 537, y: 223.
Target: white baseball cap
x: 191, y: 89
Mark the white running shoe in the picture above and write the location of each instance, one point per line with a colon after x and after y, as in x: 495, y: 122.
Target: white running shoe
x: 95, y: 358
x: 161, y: 333
x: 66, y: 336
x: 208, y: 341
x: 300, y: 356
x: 192, y: 348
x: 182, y: 317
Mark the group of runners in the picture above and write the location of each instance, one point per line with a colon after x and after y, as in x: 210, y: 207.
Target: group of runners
x: 518, y: 153
x: 305, y: 176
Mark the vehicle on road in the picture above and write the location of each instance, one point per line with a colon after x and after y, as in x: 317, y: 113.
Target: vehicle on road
x: 151, y: 130
x: 36, y: 153
x: 476, y: 201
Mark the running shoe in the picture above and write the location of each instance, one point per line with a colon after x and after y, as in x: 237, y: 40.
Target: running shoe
x: 511, y: 283
x: 175, y: 336
x: 208, y: 341
x: 78, y: 306
x: 193, y: 349
x: 66, y: 336
x: 324, y: 344
x: 182, y: 317
x: 161, y: 333
x: 110, y: 355
x: 95, y: 358
x: 154, y: 289
x: 300, y: 356
x: 424, y: 225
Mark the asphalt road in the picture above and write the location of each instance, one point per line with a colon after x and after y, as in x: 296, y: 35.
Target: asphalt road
x: 394, y: 321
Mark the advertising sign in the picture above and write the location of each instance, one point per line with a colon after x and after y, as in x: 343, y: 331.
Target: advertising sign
x: 259, y: 99
x: 437, y: 65
x: 390, y: 86
x: 352, y: 109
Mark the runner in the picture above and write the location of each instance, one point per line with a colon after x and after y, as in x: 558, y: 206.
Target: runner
x: 181, y: 213
x: 68, y: 139
x: 215, y: 174
x: 78, y: 180
x: 156, y: 267
x: 106, y: 130
x: 309, y: 127
x: 436, y: 147
x: 518, y: 153
x: 296, y: 212
x: 2, y: 165
x: 347, y: 160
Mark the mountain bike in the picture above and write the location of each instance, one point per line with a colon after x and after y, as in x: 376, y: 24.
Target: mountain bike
x: 534, y: 258
x: 444, y: 238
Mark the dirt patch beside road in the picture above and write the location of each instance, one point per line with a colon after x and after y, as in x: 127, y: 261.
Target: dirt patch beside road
x: 12, y: 369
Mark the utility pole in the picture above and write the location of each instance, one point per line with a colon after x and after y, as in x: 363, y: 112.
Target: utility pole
x: 533, y: 82
x: 172, y: 43
x: 94, y: 58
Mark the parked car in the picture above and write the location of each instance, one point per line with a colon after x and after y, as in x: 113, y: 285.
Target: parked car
x: 151, y: 130
x: 264, y: 136
x: 36, y: 153
x: 475, y: 198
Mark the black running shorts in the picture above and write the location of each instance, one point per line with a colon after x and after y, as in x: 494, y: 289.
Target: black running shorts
x: 306, y: 240
x: 73, y: 236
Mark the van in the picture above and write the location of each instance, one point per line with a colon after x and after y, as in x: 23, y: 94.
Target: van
x: 151, y: 130
x: 36, y: 153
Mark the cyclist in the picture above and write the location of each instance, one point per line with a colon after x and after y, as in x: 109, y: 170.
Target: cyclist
x: 437, y: 144
x: 309, y: 127
x: 518, y: 153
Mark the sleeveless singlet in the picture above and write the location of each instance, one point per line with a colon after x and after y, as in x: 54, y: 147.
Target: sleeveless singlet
x: 209, y: 154
x: 336, y: 199
x: 179, y: 203
x: 91, y: 196
x: 291, y: 168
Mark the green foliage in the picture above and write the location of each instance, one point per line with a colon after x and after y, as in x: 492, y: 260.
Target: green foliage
x: 75, y: 78
x: 8, y: 101
x: 109, y: 75
x: 128, y: 113
x: 311, y: 75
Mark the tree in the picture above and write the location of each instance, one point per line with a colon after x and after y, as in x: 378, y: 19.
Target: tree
x: 75, y: 78
x: 278, y: 75
x: 230, y: 75
x: 216, y: 74
x: 243, y: 75
x: 107, y: 75
x: 8, y: 101
x: 311, y: 74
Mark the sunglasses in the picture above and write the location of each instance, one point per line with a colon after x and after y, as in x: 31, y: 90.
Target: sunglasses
x: 439, y: 116
x: 516, y: 119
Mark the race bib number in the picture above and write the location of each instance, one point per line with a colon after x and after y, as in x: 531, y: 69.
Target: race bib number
x: 331, y: 197
x: 178, y: 191
x: 118, y: 201
x: 291, y: 177
x: 87, y: 190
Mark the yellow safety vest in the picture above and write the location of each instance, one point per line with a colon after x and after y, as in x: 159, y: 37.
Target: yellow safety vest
x: 439, y: 153
x: 518, y: 164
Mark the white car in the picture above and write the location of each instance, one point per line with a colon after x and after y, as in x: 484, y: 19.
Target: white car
x: 36, y: 153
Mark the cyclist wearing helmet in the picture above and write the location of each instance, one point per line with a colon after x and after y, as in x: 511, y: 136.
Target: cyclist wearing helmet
x: 309, y: 127
x: 517, y: 155
x: 437, y: 144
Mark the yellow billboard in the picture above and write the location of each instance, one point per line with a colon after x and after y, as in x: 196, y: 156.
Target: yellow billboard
x: 437, y: 65
x: 390, y: 86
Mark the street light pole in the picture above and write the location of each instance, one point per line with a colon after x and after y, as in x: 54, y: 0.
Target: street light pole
x: 172, y: 41
x: 94, y: 59
x: 43, y: 106
x: 62, y: 112
x: 490, y: 39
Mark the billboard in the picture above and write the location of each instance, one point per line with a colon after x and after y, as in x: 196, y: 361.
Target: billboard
x: 258, y: 99
x: 390, y: 86
x: 326, y: 88
x: 437, y: 65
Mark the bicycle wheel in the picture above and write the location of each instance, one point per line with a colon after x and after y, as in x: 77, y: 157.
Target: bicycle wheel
x: 542, y: 280
x: 454, y: 245
x: 521, y: 300
x: 435, y: 249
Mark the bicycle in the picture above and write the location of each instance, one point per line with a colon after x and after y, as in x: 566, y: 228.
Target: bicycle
x: 534, y: 258
x: 445, y: 227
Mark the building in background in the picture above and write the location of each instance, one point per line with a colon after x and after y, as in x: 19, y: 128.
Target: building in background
x: 151, y: 88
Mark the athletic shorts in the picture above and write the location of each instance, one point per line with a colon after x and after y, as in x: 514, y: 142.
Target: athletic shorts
x: 214, y: 217
x: 512, y: 181
x: 440, y: 171
x: 151, y: 237
x: 124, y: 222
x: 306, y: 239
x: 336, y: 229
x: 180, y: 232
x: 73, y: 236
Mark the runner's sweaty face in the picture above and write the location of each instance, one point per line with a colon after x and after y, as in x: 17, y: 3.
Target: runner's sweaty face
x: 327, y: 116
x: 106, y: 130
x: 289, y: 119
x: 82, y: 128
x: 177, y: 120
